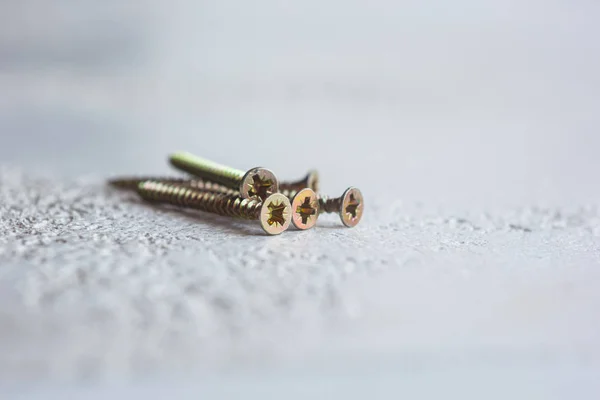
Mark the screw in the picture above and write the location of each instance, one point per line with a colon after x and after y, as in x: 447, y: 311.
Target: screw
x: 257, y: 182
x: 305, y: 209
x: 274, y: 213
x: 288, y: 189
x: 350, y: 206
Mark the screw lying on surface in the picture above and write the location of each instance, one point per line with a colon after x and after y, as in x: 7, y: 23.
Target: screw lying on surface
x: 274, y: 213
x: 305, y: 209
x: 288, y: 189
x: 350, y: 206
x: 257, y: 182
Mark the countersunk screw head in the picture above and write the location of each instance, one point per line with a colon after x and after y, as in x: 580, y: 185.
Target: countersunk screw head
x: 305, y: 209
x: 259, y: 182
x: 275, y: 214
x: 351, y: 210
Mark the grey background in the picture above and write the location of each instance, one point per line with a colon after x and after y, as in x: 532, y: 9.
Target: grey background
x: 470, y: 126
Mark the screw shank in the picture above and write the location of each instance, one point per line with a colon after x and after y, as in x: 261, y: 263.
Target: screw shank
x: 216, y: 203
x: 327, y: 205
x: 293, y: 186
x: 207, y: 169
x: 288, y: 192
x: 132, y: 183
x: 311, y: 181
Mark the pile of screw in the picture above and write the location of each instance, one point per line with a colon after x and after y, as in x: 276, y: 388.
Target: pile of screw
x: 254, y: 195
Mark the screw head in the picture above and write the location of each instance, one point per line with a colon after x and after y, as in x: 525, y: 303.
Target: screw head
x: 275, y: 214
x: 259, y: 183
x: 313, y: 180
x: 305, y: 209
x: 351, y: 210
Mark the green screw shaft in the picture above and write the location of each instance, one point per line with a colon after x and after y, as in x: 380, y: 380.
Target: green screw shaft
x: 206, y: 169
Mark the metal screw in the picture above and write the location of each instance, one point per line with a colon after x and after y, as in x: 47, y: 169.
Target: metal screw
x: 305, y: 209
x: 274, y: 213
x: 257, y: 182
x: 350, y: 206
x: 289, y: 189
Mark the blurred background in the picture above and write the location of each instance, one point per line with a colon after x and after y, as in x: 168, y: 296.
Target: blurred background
x: 467, y: 101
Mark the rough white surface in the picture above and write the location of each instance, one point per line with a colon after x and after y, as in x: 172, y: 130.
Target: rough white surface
x: 96, y: 284
x: 470, y: 126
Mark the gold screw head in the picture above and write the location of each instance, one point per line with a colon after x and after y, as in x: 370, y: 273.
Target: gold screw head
x: 305, y: 209
x: 259, y: 183
x: 275, y: 214
x: 351, y: 210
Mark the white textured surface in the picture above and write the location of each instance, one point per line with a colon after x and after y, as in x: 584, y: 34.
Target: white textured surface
x: 96, y: 284
x: 472, y: 131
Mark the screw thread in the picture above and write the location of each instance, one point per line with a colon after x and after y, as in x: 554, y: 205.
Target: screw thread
x: 327, y: 205
x: 133, y: 183
x: 216, y: 203
x: 293, y: 186
x: 209, y: 170
x: 311, y: 181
